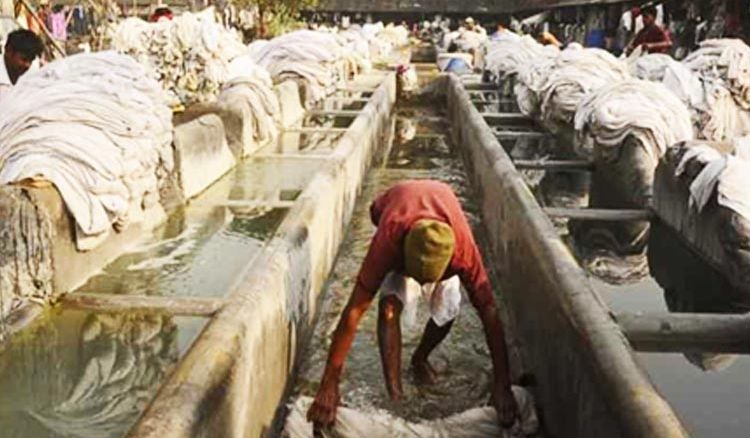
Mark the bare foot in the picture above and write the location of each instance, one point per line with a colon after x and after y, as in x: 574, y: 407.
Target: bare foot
x: 424, y: 373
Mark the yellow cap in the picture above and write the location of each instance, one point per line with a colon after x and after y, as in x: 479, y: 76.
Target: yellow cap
x: 428, y: 249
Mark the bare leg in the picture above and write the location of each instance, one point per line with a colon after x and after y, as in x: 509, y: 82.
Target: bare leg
x: 432, y: 337
x: 389, y: 341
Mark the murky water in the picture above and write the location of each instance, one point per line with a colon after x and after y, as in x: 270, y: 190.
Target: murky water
x: 313, y: 143
x: 80, y: 374
x: 463, y: 357
x: 327, y: 121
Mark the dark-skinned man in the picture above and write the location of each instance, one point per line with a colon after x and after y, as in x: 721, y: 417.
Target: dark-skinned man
x: 652, y: 38
x: 422, y: 235
x: 21, y: 49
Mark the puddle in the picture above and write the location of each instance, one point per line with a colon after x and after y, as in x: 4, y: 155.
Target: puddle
x: 87, y: 375
x: 327, y: 121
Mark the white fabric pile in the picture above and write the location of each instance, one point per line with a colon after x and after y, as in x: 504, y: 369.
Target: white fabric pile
x: 312, y: 56
x: 98, y: 127
x: 191, y: 53
x: 509, y: 55
x: 474, y: 423
x: 650, y: 67
x: 645, y: 110
x: 725, y: 175
x: 715, y: 113
x: 575, y: 74
x: 726, y: 60
x: 251, y: 86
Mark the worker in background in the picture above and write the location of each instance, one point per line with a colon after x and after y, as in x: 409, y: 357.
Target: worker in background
x: 423, y: 246
x: 652, y: 38
x: 502, y: 31
x: 21, y: 49
x: 161, y: 13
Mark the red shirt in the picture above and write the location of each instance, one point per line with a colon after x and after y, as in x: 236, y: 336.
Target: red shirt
x: 396, y: 210
x: 652, y: 34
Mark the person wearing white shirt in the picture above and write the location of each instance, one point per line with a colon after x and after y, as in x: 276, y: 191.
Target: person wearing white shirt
x: 21, y: 49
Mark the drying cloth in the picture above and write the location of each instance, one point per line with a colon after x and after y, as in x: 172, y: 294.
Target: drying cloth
x: 509, y: 55
x: 307, y: 54
x: 727, y: 60
x: 726, y: 175
x: 650, y: 67
x: 191, y: 53
x: 95, y: 125
x: 474, y: 423
x: 251, y: 87
x: 575, y: 74
x: 646, y: 110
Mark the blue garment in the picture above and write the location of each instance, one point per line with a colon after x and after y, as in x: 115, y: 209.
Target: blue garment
x: 458, y: 66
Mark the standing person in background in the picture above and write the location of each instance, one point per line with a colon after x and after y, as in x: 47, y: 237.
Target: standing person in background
x: 652, y: 38
x: 21, y: 49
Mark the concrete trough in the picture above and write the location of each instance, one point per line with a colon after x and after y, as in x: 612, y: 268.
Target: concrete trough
x: 589, y: 382
x: 236, y: 374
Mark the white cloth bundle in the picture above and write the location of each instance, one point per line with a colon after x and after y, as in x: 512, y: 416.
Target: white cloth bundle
x: 507, y: 56
x: 645, y: 110
x: 307, y: 54
x: 252, y: 86
x: 575, y: 74
x: 98, y: 127
x: 190, y: 53
x: 716, y: 115
x: 474, y: 423
x: 726, y: 175
x: 529, y: 82
x: 650, y: 67
x: 727, y: 60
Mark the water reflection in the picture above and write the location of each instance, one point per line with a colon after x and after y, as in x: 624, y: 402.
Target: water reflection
x: 78, y: 374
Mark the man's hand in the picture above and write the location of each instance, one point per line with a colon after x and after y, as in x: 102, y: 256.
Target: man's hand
x: 506, y: 407
x: 322, y: 413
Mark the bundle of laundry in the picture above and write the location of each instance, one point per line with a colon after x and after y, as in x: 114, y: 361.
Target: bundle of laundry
x: 529, y: 81
x: 715, y: 112
x: 575, y: 74
x: 475, y: 423
x: 728, y: 61
x: 650, y: 67
x: 98, y: 127
x: 251, y: 89
x: 310, y: 56
x: 507, y: 56
x: 191, y: 53
x: 648, y: 111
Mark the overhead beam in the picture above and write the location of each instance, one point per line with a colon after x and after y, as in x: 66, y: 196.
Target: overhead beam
x: 686, y: 332
x: 562, y: 165
x: 182, y: 306
x: 609, y: 215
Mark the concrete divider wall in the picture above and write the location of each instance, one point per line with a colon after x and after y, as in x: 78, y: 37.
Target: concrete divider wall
x: 589, y: 382
x: 236, y: 374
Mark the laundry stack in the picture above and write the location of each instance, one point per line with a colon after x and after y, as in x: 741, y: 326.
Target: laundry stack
x: 191, y: 53
x: 98, y: 127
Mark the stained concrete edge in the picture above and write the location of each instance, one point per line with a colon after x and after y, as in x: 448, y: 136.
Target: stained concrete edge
x: 237, y: 373
x: 589, y: 381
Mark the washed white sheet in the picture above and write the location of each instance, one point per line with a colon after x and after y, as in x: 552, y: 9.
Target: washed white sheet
x: 646, y: 110
x: 98, y: 127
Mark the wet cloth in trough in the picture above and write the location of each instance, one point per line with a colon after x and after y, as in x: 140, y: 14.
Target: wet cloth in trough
x: 473, y: 423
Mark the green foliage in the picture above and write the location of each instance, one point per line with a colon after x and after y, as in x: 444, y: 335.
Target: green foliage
x: 277, y: 16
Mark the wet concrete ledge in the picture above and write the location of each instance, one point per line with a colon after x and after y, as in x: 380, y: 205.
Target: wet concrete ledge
x: 589, y: 383
x: 39, y: 259
x: 238, y: 371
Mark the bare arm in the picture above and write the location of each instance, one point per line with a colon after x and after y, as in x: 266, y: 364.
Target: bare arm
x: 503, y: 399
x: 323, y: 410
